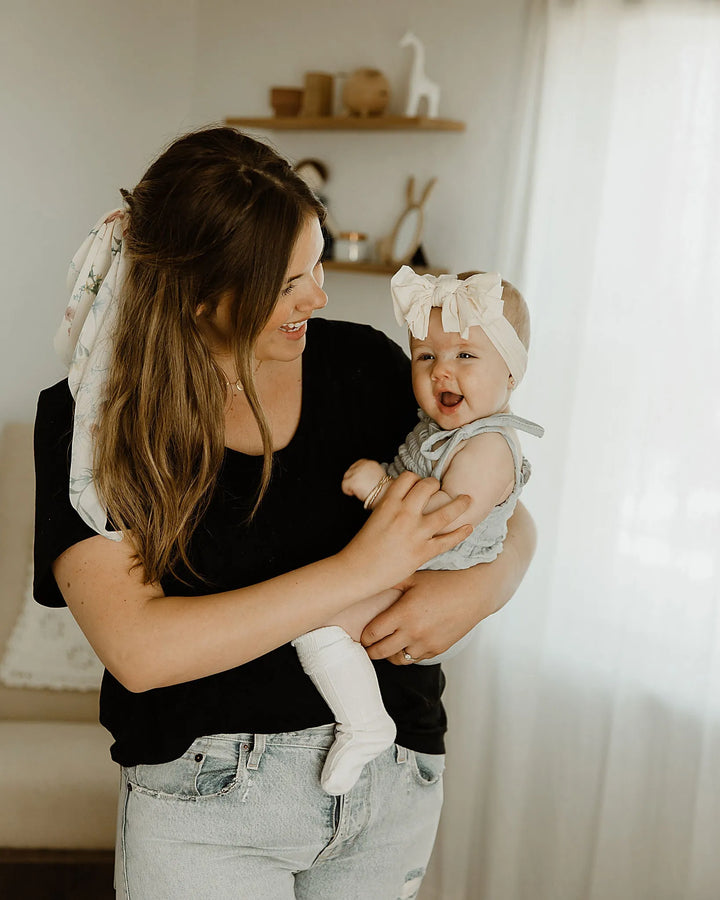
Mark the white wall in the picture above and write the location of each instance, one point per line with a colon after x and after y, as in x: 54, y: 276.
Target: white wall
x: 89, y: 91
x: 473, y: 49
x: 92, y: 89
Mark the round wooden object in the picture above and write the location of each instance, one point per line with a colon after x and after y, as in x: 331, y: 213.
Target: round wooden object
x: 366, y: 92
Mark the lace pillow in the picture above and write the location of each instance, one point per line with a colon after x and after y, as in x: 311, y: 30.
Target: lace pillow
x: 46, y: 649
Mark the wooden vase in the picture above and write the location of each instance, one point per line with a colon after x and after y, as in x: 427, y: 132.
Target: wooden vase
x: 317, y: 100
x: 366, y: 93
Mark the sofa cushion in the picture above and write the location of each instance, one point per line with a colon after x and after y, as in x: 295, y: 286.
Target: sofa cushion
x: 47, y: 649
x: 16, y: 530
x: 58, y: 786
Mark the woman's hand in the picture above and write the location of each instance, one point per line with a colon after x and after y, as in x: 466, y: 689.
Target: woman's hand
x: 434, y: 611
x: 398, y: 538
x: 437, y: 608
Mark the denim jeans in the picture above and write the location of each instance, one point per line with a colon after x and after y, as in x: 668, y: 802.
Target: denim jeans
x: 244, y: 816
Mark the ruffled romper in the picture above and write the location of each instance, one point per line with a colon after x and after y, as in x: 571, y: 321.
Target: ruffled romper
x: 427, y: 450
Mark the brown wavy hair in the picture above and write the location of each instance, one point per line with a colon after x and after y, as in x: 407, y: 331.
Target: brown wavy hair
x: 217, y: 212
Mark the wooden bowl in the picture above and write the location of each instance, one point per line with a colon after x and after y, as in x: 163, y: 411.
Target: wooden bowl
x: 286, y: 101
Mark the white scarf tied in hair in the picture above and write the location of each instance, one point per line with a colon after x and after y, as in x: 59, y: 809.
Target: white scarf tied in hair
x: 475, y: 301
x: 84, y: 344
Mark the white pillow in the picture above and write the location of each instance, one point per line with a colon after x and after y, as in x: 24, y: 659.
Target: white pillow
x: 46, y: 649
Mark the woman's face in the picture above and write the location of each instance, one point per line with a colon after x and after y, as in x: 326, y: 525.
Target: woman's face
x: 283, y: 338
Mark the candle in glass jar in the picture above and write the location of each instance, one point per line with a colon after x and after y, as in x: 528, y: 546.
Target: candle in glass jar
x: 351, y: 246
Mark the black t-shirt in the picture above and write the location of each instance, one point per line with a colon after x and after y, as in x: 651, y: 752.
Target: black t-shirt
x: 356, y: 402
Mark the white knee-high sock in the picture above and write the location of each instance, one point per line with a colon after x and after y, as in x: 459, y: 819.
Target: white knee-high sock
x: 341, y: 670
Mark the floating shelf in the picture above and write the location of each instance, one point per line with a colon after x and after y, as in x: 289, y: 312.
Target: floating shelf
x: 347, y: 123
x: 370, y: 268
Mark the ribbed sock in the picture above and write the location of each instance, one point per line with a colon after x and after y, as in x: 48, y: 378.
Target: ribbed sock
x: 341, y: 670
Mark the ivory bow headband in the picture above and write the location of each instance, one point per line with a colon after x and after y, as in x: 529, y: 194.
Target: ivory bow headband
x: 84, y: 344
x: 475, y: 301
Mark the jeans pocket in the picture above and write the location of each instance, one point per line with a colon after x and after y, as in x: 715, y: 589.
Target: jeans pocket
x: 427, y: 768
x: 207, y: 769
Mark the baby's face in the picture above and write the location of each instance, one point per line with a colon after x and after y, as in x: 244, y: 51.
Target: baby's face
x: 457, y: 381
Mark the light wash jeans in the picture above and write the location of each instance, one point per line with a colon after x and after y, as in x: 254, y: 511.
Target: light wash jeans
x: 243, y: 816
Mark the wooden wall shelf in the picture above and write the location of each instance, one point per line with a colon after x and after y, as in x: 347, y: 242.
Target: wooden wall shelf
x: 346, y: 123
x: 352, y: 123
x: 371, y: 268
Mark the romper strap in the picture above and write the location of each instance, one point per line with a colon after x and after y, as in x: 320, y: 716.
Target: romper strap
x: 513, y: 421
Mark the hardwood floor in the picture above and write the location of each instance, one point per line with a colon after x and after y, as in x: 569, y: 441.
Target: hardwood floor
x: 56, y: 875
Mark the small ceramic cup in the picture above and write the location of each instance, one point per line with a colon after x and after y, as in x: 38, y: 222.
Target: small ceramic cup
x: 286, y: 101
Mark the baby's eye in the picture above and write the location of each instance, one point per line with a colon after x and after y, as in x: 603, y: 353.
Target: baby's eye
x: 465, y: 355
x: 423, y: 357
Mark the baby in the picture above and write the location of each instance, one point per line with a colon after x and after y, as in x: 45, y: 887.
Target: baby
x: 468, y: 339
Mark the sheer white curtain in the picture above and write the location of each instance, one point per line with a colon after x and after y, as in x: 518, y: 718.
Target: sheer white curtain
x: 584, y: 755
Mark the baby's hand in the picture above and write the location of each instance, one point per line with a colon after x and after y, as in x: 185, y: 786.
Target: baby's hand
x: 361, y: 478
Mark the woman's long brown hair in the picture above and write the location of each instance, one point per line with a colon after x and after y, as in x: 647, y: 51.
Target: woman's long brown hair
x: 217, y: 212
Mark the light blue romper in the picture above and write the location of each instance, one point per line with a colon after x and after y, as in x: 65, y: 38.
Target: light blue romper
x: 426, y: 452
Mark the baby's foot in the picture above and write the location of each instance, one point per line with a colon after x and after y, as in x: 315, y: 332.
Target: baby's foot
x: 353, y: 748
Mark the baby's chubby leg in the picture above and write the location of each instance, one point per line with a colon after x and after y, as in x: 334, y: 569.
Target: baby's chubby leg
x: 356, y: 617
x: 345, y: 677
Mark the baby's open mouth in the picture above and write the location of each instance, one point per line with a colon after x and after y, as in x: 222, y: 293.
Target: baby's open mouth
x: 447, y: 398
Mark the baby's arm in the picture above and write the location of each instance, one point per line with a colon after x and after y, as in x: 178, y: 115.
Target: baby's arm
x: 362, y: 477
x: 483, y: 468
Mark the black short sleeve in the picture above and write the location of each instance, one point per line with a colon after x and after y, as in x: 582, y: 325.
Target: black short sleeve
x: 57, y: 524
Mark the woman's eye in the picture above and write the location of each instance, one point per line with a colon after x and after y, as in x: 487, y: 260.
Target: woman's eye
x: 288, y: 290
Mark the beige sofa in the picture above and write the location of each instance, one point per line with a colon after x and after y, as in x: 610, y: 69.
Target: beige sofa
x: 57, y: 782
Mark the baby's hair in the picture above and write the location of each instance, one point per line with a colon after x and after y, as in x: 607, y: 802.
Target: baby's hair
x: 514, y: 308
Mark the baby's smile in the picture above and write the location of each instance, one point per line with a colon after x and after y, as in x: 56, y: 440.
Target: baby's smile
x: 448, y: 401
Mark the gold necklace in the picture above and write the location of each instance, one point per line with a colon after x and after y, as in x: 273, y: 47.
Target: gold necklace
x: 237, y: 384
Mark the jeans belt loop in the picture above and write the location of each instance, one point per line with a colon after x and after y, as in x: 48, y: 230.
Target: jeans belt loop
x: 257, y: 751
x: 401, y: 754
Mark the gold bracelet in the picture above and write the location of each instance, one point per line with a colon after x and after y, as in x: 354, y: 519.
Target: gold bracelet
x: 375, y: 492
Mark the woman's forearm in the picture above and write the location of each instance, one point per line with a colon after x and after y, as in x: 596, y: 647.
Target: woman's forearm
x: 149, y: 640
x: 496, y: 582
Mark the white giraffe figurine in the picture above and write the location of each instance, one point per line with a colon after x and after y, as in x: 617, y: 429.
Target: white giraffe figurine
x: 420, y: 84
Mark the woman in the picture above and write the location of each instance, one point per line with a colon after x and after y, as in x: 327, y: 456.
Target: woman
x: 218, y: 444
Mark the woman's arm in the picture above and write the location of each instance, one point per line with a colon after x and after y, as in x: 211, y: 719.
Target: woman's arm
x: 438, y: 608
x: 148, y: 640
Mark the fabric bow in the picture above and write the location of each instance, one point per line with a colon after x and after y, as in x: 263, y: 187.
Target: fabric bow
x: 83, y: 342
x: 477, y: 300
